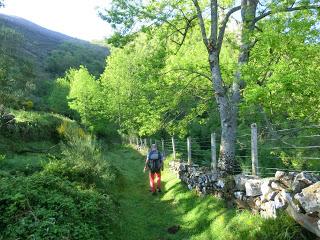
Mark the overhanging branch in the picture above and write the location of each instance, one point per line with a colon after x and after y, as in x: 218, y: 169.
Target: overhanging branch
x: 224, y: 25
x: 201, y: 23
x: 214, y: 22
x: 289, y: 9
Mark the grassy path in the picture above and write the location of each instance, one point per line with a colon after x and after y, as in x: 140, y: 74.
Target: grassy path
x: 148, y: 217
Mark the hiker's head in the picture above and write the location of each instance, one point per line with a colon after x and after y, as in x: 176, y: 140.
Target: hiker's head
x: 153, y: 147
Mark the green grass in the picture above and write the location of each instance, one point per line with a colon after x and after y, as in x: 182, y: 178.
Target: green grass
x: 25, y: 164
x: 148, y: 217
x: 38, y: 117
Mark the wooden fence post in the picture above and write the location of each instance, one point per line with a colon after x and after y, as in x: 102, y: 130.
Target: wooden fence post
x: 173, y: 148
x: 189, y: 150
x: 213, y: 152
x: 130, y: 140
x: 254, y: 149
x: 150, y: 142
x: 137, y: 141
x: 145, y: 143
x: 163, y: 150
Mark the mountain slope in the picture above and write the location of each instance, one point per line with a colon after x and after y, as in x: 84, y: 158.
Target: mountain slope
x: 40, y: 41
x: 31, y: 56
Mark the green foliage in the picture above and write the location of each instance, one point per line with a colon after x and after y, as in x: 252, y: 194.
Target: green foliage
x: 280, y: 79
x: 31, y: 126
x: 57, y: 99
x: 150, y: 89
x: 23, y: 165
x: 87, y: 99
x: 70, y: 55
x: 284, y: 66
x: 82, y: 160
x: 64, y: 195
x: 131, y: 84
x: 17, y: 79
x: 31, y: 57
x: 44, y: 206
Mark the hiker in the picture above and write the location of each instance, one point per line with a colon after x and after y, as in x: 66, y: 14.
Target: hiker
x: 154, y: 163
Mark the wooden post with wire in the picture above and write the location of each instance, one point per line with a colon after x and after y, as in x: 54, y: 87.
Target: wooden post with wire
x: 213, y: 153
x: 189, y: 150
x: 254, y: 149
x: 173, y: 148
x: 163, y: 149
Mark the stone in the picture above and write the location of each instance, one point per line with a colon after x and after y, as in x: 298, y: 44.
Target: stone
x: 239, y: 195
x: 253, y: 187
x: 240, y: 181
x: 279, y: 202
x: 279, y: 175
x: 271, y: 196
x: 268, y: 210
x: 288, y: 200
x: 303, y: 180
x: 258, y: 203
x: 309, y: 198
x: 265, y: 187
x: 277, y: 186
x: 220, y: 183
x: 268, y: 196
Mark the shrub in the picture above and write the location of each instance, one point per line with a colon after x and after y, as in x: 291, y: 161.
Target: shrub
x: 43, y: 206
x: 82, y: 160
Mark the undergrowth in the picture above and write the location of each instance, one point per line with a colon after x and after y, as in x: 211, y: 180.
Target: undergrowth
x: 61, y: 196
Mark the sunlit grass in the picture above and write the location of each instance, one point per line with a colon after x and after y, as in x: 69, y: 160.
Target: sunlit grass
x: 200, y: 218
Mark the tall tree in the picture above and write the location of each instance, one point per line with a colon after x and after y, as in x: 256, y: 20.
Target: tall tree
x: 212, y: 17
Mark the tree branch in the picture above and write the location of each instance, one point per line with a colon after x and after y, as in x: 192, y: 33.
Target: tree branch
x: 288, y: 9
x: 224, y: 25
x: 201, y: 23
x: 214, y: 22
x: 190, y: 71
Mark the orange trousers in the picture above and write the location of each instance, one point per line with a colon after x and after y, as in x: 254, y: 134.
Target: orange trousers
x: 152, y: 177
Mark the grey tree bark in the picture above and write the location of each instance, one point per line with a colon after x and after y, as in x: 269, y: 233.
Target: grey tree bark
x: 227, y: 99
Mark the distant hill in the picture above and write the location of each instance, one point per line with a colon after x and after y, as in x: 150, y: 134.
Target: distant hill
x: 39, y: 42
x: 36, y: 55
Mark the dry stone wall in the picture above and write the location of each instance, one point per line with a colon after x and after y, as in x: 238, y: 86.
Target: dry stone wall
x: 297, y: 193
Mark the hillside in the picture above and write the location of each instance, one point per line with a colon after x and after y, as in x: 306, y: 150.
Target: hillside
x: 35, y: 55
x: 40, y: 42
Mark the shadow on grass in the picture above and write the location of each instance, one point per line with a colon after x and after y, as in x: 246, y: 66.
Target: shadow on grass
x: 148, y: 217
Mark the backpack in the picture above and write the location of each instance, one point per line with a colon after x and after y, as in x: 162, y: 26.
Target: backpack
x: 154, y: 162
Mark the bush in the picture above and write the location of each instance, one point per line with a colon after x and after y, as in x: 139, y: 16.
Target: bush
x: 32, y: 126
x: 43, y: 206
x: 66, y: 198
x: 82, y: 160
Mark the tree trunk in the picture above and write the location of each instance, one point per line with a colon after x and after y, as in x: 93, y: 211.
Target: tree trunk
x: 228, y: 117
x: 228, y: 101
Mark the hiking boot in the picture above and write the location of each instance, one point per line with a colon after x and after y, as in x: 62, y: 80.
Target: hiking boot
x: 159, y: 190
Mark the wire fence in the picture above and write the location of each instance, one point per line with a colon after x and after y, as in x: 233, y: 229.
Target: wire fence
x: 292, y: 149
